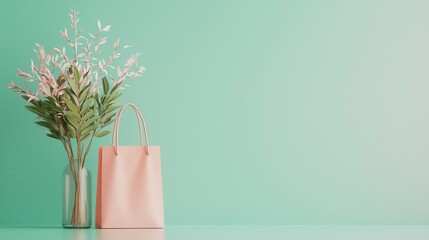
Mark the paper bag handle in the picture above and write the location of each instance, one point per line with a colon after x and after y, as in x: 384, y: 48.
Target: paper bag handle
x: 140, y: 119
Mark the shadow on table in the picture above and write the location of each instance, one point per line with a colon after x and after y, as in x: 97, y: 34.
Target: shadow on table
x: 116, y: 234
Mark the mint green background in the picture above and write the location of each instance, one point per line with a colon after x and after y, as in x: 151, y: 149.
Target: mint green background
x: 267, y: 112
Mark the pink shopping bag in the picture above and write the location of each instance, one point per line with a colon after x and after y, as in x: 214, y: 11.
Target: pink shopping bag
x: 129, y: 183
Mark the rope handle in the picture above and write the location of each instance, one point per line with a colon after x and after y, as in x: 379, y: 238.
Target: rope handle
x: 140, y: 119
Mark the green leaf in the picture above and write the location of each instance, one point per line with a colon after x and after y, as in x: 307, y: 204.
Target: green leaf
x: 51, y: 99
x: 85, y: 137
x: 88, y: 122
x: 84, y: 79
x: 47, y: 125
x: 114, y: 96
x: 50, y: 105
x: 61, y: 130
x: 84, y: 92
x: 60, y: 80
x: 86, y: 74
x: 71, y: 121
x: 87, y: 115
x: 102, y: 133
x: 85, y: 106
x: 52, y: 136
x: 105, y: 86
x: 37, y: 110
x: 51, y: 120
x: 34, y: 102
x: 108, y: 122
x: 111, y: 99
x: 89, y: 129
x: 73, y: 115
x: 76, y: 74
x: 56, y: 133
x: 111, y: 109
x: 105, y: 109
x: 106, y: 117
x: 71, y: 105
x: 97, y: 100
x: 115, y: 87
x: 71, y: 94
x: 72, y: 133
x: 73, y: 85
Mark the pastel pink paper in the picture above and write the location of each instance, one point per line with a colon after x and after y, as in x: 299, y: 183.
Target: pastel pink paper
x: 129, y: 188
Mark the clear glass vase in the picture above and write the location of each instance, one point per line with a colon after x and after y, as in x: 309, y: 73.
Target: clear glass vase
x: 76, y: 197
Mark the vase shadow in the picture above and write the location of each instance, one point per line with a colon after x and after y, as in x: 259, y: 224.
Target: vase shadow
x: 78, y: 234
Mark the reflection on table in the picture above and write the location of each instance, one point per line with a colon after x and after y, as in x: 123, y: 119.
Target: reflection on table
x: 115, y: 234
x: 129, y: 234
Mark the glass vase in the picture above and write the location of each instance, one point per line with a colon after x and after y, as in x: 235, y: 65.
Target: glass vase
x: 76, y: 197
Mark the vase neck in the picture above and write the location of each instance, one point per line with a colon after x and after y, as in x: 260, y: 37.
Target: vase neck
x: 76, y: 163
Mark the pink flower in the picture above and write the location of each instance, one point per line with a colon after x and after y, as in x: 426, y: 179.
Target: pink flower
x: 102, y: 41
x: 13, y: 86
x: 31, y: 97
x: 23, y: 74
x: 106, y: 28
x: 141, y: 69
x: 116, y: 44
x: 84, y: 55
x: 65, y: 35
x: 40, y: 50
x: 44, y: 89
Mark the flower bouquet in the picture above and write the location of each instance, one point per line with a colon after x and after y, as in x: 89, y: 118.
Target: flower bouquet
x: 74, y: 93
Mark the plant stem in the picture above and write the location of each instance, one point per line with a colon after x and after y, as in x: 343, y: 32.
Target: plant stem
x: 71, y: 160
x: 79, y: 154
x: 76, y: 212
x: 76, y: 175
x: 88, y: 147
